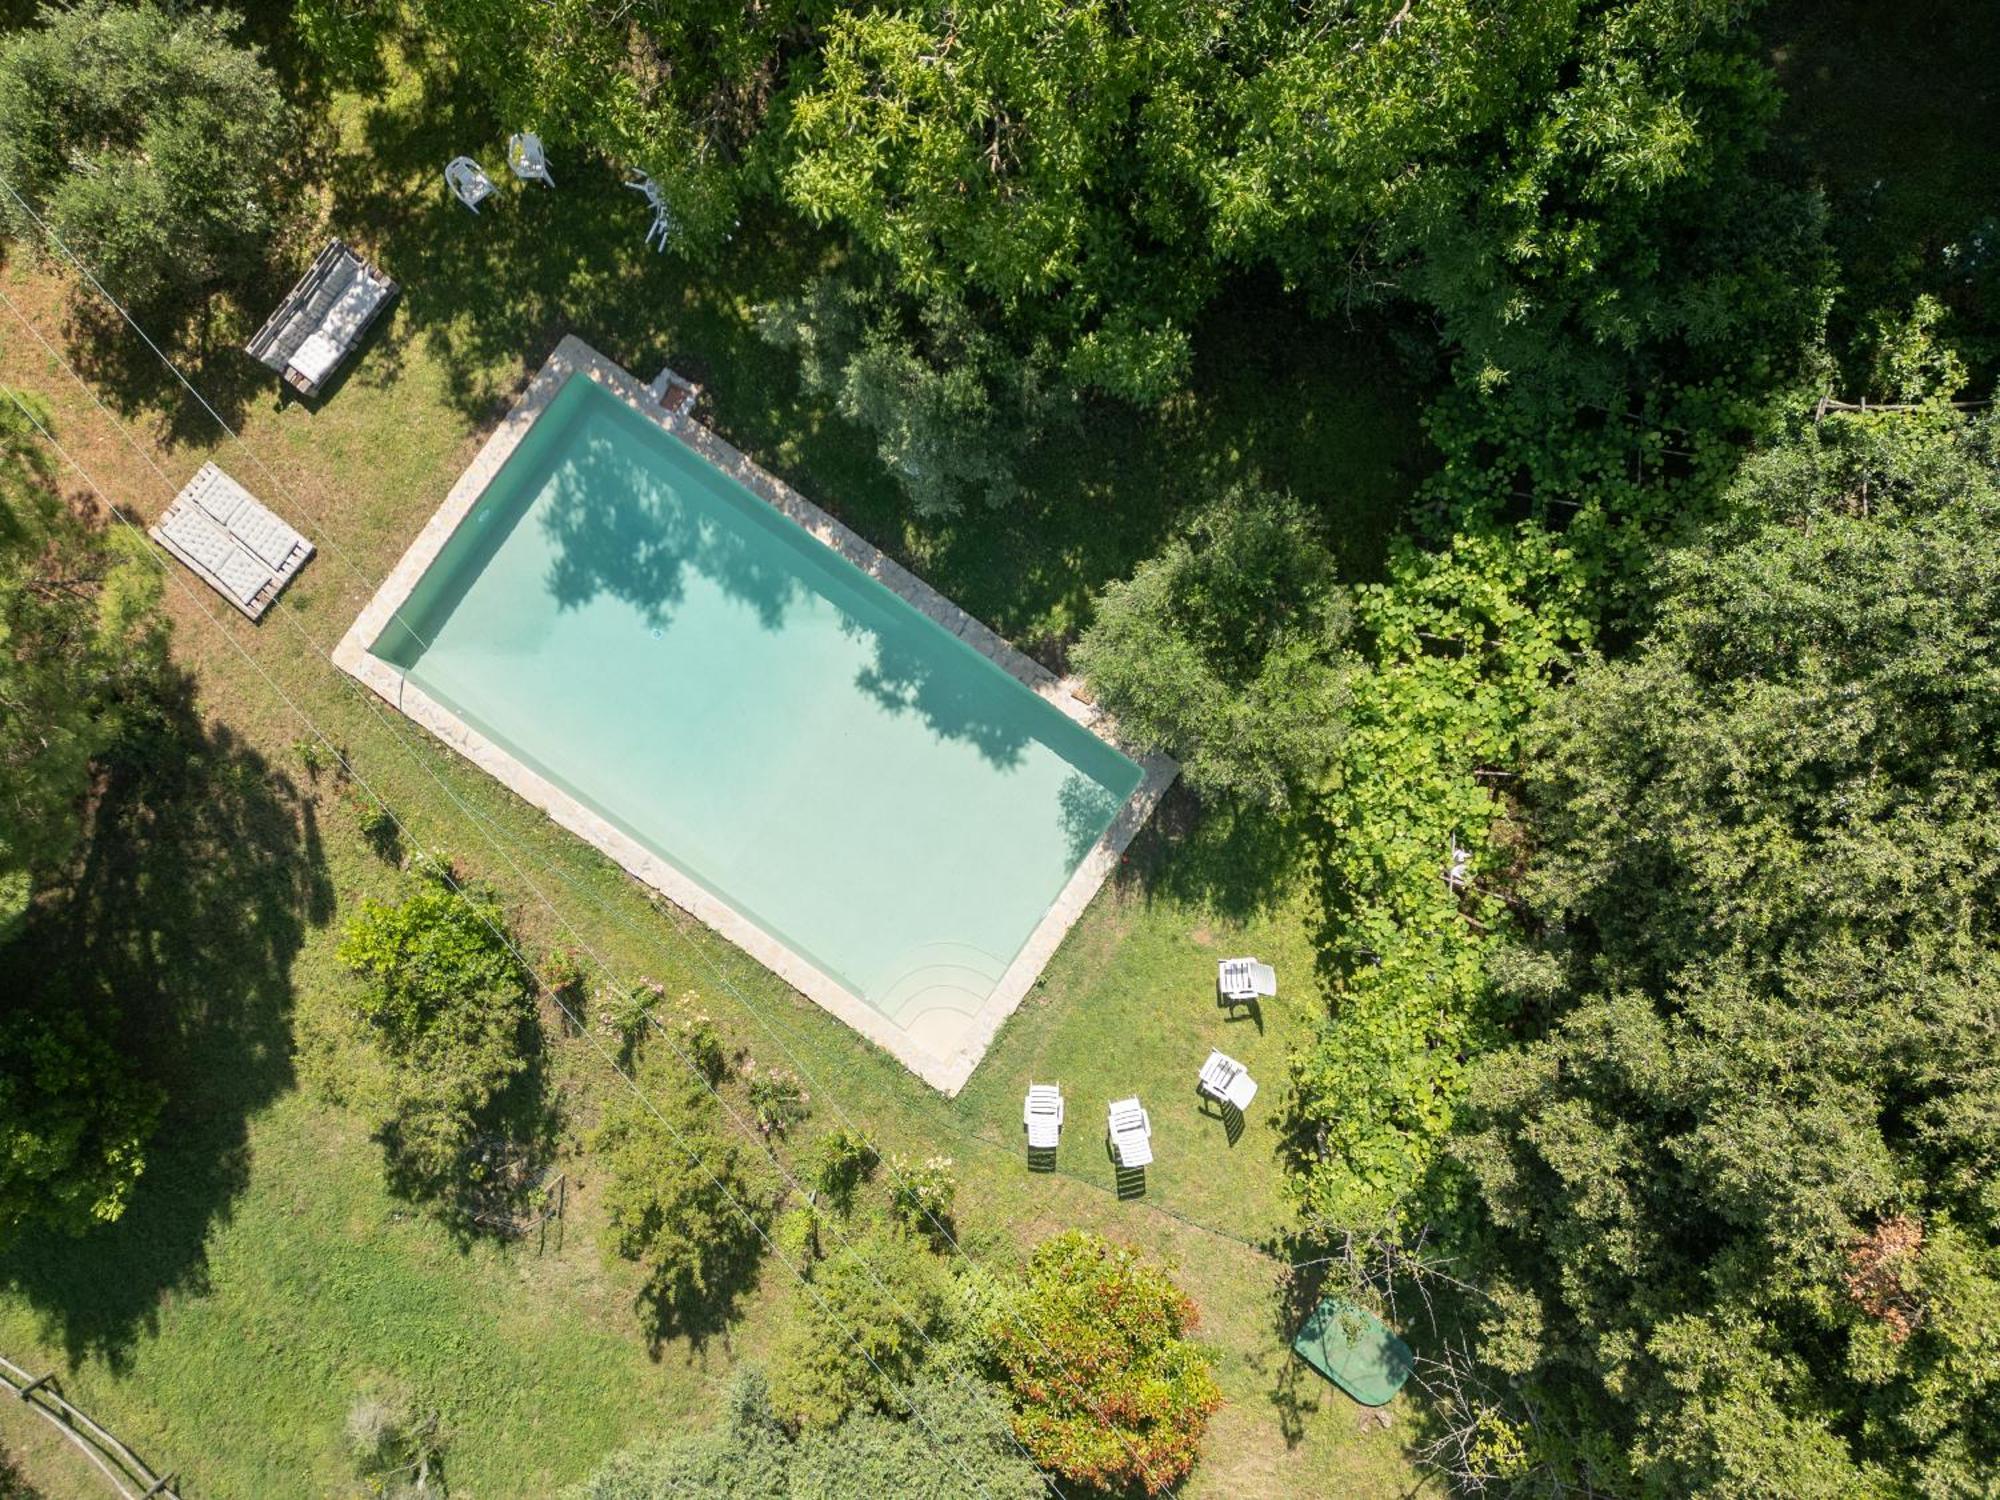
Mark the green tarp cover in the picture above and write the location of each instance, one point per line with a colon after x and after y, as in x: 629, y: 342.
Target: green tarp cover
x: 1350, y: 1347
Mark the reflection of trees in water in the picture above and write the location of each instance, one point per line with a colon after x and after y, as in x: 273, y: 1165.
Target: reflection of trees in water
x: 953, y: 702
x: 1086, y: 808
x: 619, y: 529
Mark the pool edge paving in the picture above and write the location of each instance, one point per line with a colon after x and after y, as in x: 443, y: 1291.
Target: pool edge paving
x: 944, y: 1063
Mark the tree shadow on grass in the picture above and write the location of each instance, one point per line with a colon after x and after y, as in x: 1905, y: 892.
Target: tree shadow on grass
x: 199, y: 877
x: 1238, y: 860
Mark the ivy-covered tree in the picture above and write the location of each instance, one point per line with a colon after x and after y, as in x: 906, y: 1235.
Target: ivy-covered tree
x: 1734, y: 1205
x: 82, y: 651
x: 1109, y: 1389
x: 1228, y: 650
x: 151, y: 142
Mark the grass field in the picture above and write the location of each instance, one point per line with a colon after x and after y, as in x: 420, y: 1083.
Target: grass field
x: 263, y: 1279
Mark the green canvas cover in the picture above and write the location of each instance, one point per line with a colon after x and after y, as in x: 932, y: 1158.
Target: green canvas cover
x: 1349, y: 1346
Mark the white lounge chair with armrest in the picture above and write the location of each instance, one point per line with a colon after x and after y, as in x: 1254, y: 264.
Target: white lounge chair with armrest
x: 1227, y: 1081
x: 468, y: 181
x: 1042, y: 1115
x: 663, y: 217
x: 1243, y: 979
x: 526, y: 159
x: 1131, y: 1132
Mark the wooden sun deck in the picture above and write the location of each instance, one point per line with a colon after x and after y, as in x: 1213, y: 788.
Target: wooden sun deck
x: 233, y: 542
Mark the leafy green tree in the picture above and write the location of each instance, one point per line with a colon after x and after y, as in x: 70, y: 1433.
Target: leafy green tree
x: 1734, y: 1204
x: 877, y: 1305
x: 84, y: 644
x: 448, y: 1012
x: 1029, y: 155
x: 154, y: 145
x: 82, y: 657
x: 686, y: 1200
x: 1109, y: 1390
x: 952, y: 406
x: 1227, y: 650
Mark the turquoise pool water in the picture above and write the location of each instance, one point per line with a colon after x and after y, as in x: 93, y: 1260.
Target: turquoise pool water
x: 635, y: 626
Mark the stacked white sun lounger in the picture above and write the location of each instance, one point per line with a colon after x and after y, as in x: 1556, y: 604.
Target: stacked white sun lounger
x: 240, y: 548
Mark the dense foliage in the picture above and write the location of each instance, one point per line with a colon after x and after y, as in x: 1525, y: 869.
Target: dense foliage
x: 956, y: 1442
x: 151, y: 142
x: 875, y: 1308
x: 447, y: 1014
x: 1735, y: 1206
x: 1109, y: 1389
x: 1227, y: 651
x: 686, y: 1199
x: 82, y: 655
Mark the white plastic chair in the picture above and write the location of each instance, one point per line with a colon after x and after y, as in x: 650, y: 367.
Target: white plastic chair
x: 1242, y: 979
x: 663, y: 217
x: 1042, y: 1115
x: 526, y: 160
x: 468, y: 181
x: 1227, y: 1081
x: 1131, y: 1132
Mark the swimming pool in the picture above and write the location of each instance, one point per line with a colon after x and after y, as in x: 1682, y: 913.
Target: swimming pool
x: 756, y: 713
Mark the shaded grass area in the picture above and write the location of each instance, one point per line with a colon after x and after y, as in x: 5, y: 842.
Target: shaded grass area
x: 266, y: 1278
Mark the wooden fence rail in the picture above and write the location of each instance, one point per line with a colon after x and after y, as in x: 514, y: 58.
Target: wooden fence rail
x: 131, y: 1476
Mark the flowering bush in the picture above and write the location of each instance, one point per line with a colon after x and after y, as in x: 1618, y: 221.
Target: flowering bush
x: 923, y: 1194
x: 777, y: 1098
x: 1108, y: 1389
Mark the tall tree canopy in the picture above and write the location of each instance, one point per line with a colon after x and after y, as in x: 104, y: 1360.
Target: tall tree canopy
x: 149, y: 140
x: 1737, y: 1206
x: 81, y: 649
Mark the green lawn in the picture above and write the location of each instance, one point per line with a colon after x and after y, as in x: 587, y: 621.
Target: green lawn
x: 263, y: 1279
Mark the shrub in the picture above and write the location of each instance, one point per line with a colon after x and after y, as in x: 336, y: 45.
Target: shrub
x: 842, y: 1160
x: 377, y: 825
x: 1109, y: 1391
x: 922, y: 1196
x: 625, y: 1011
x: 778, y: 1098
x: 875, y: 1308
x: 447, y: 1006
x: 566, y: 977
x: 396, y: 1450
x: 696, y: 1036
x: 685, y: 1201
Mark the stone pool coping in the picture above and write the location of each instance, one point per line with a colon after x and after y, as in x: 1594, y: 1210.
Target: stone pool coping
x: 943, y: 1061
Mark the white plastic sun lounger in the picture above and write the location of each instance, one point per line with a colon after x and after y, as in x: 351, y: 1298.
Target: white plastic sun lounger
x: 234, y: 542
x: 1131, y: 1132
x: 1226, y: 1080
x: 1042, y: 1115
x: 1245, y: 979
